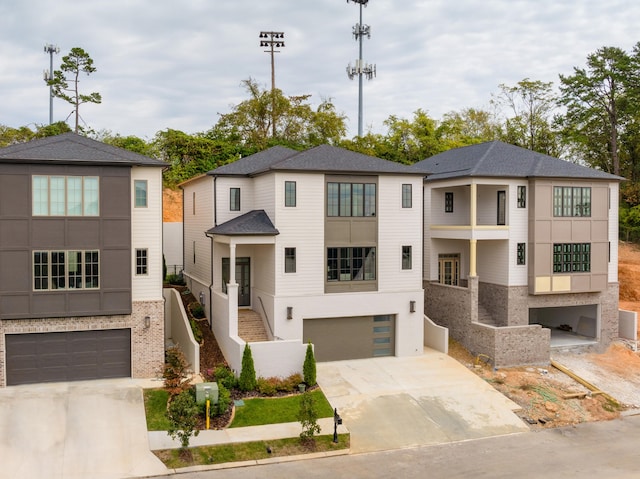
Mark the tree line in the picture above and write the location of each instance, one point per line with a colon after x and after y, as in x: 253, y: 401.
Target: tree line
x: 592, y: 117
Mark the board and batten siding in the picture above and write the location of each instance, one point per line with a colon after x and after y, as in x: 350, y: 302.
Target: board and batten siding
x: 146, y: 233
x: 196, y: 222
x: 398, y: 227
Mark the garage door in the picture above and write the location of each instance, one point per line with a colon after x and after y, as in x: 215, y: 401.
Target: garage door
x: 360, y: 337
x: 68, y: 356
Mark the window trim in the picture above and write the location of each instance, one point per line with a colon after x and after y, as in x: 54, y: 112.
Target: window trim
x: 407, y: 195
x: 145, y: 191
x: 290, y: 194
x: 66, y: 200
x: 234, y: 199
x: 59, y: 276
x: 142, y: 262
x: 289, y: 260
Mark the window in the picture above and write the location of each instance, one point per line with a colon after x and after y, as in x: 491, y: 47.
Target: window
x: 234, y: 199
x: 406, y: 196
x: 448, y: 202
x: 226, y: 273
x: 140, y: 189
x: 141, y: 262
x: 65, y: 195
x: 351, y: 264
x: 521, y: 255
x: 571, y: 257
x: 351, y: 199
x: 290, y: 193
x: 571, y: 201
x: 522, y: 196
x: 66, y: 270
x: 289, y: 260
x: 449, y: 269
x: 406, y: 257
x: 193, y: 204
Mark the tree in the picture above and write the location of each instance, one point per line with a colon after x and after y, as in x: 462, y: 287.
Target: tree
x: 73, y: 65
x: 597, y: 103
x: 467, y: 127
x: 309, y: 367
x: 530, y: 124
x: 183, y: 417
x: 247, y: 381
x: 308, y: 417
x: 175, y: 371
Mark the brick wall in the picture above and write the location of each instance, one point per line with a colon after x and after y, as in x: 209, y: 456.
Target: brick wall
x: 147, y: 344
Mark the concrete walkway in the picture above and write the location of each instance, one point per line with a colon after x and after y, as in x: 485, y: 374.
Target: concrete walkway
x: 391, y: 403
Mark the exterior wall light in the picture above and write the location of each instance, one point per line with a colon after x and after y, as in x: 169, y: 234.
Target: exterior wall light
x: 289, y: 312
x: 147, y: 322
x: 412, y: 306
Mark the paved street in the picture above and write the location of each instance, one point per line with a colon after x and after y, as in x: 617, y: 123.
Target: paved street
x: 607, y: 449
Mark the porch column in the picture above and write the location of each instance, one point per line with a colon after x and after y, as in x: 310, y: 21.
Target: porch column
x: 472, y: 257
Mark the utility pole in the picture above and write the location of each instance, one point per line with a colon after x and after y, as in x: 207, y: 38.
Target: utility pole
x: 361, y: 68
x: 48, y: 76
x: 272, y: 40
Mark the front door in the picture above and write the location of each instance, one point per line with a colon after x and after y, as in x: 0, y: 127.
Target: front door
x: 243, y: 277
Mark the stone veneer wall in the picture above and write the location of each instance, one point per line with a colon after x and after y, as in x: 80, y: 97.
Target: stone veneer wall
x: 147, y: 345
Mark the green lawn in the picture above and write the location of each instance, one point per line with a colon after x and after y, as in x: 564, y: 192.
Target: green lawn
x: 155, y: 406
x: 259, y: 411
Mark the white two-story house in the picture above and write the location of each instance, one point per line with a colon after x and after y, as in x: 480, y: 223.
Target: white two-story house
x: 323, y: 245
x: 520, y: 252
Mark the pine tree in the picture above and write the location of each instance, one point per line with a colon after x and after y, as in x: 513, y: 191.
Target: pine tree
x: 309, y: 367
x: 247, y: 381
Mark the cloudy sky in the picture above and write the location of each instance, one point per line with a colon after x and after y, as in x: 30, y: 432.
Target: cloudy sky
x: 179, y: 64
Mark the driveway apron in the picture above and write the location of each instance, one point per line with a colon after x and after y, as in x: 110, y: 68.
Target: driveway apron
x: 391, y: 403
x: 74, y: 430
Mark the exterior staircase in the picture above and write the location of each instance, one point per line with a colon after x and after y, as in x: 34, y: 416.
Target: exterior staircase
x: 485, y: 317
x: 251, y: 327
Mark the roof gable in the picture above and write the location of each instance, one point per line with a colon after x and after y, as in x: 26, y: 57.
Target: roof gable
x: 499, y: 159
x: 70, y: 148
x: 253, y: 223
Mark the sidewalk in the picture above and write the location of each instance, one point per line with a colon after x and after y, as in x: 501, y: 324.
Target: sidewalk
x: 161, y: 440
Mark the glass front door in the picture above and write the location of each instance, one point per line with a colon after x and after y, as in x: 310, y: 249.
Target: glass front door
x: 243, y: 278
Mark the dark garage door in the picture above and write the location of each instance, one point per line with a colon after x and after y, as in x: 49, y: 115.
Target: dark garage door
x: 68, y: 356
x: 335, y: 339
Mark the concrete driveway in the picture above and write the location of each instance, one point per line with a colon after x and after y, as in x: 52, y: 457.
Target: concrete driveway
x: 74, y: 430
x: 391, y: 403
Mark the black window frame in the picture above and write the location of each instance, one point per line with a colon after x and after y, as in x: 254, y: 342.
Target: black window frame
x: 448, y: 202
x: 407, y: 195
x: 572, y: 201
x: 142, y: 261
x: 522, y: 196
x: 571, y: 258
x: 290, y: 194
x: 343, y: 202
x: 407, y: 257
x: 521, y: 254
x: 289, y: 260
x: 351, y: 263
x: 234, y: 199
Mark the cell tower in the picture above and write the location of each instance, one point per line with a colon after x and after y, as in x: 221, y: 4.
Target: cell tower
x: 361, y: 69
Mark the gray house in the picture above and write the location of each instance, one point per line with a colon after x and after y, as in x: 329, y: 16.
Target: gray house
x: 520, y: 252
x: 80, y: 262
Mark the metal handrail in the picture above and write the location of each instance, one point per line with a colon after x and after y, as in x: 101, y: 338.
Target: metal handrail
x: 267, y: 317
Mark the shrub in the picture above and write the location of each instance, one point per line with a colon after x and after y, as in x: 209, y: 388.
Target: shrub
x: 195, y: 328
x: 309, y: 367
x: 225, y: 377
x: 176, y: 279
x: 183, y: 417
x: 290, y: 383
x: 175, y: 371
x: 247, y: 381
x: 224, y: 399
x: 197, y: 310
x: 268, y: 386
x: 308, y: 417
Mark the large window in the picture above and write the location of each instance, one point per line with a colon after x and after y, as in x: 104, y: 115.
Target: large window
x: 351, y: 199
x: 290, y: 193
x: 140, y: 189
x: 406, y: 196
x: 351, y: 264
x: 448, y: 202
x: 234, y: 199
x: 406, y: 257
x: 142, y: 262
x: 571, y: 201
x: 65, y: 195
x: 66, y: 270
x: 289, y: 260
x: 571, y: 257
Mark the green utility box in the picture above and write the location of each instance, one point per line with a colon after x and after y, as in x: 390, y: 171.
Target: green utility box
x: 201, y: 392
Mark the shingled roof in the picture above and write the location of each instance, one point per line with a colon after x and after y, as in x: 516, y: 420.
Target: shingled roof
x: 498, y: 159
x: 70, y: 148
x: 323, y: 158
x: 253, y: 223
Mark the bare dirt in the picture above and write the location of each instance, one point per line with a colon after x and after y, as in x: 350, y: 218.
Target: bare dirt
x: 171, y: 206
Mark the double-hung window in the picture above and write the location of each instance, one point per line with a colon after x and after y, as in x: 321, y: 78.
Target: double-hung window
x: 406, y: 196
x: 142, y: 262
x: 140, y: 191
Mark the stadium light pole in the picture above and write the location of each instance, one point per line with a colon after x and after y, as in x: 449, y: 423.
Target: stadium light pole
x: 361, y: 69
x: 272, y: 40
x: 48, y: 76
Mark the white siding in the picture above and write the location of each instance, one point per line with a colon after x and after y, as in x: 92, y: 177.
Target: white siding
x: 223, y: 187
x: 518, y: 233
x: 195, y: 223
x: 146, y: 233
x: 264, y: 195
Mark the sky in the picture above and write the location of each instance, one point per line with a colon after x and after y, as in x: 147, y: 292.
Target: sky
x: 179, y: 64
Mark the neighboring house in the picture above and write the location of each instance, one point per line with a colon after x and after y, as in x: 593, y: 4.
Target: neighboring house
x: 80, y: 262
x: 520, y: 252
x: 323, y: 245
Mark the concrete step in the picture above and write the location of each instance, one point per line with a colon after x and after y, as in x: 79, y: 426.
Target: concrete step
x: 251, y: 327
